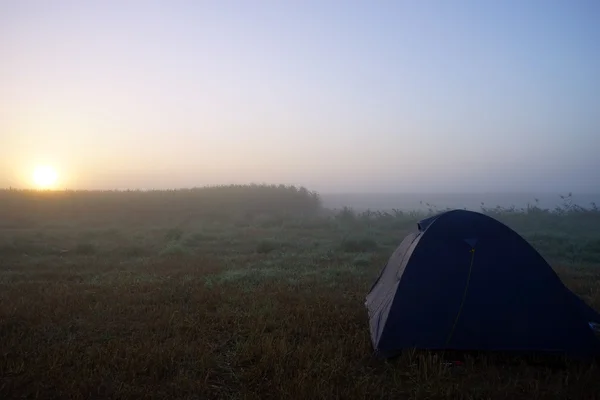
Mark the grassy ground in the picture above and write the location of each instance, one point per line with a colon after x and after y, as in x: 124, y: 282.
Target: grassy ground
x: 240, y: 303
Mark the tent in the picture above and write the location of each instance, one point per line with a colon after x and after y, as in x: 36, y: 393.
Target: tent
x: 465, y: 281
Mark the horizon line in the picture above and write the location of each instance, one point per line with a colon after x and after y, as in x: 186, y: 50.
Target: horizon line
x: 346, y: 192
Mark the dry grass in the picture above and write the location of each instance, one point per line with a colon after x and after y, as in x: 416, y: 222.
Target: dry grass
x: 224, y: 318
x: 157, y: 330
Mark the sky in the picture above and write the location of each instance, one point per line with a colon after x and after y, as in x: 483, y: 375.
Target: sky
x: 338, y: 96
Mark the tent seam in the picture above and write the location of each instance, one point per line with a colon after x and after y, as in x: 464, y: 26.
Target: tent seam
x: 462, y: 303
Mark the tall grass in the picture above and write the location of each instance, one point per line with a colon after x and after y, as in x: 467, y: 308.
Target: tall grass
x: 567, y: 233
x: 569, y: 216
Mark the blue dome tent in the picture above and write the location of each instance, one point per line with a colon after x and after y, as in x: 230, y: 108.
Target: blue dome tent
x: 465, y: 281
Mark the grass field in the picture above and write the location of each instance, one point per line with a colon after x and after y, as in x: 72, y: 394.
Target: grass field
x: 241, y: 292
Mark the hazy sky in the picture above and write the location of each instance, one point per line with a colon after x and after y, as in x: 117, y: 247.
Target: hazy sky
x: 397, y: 96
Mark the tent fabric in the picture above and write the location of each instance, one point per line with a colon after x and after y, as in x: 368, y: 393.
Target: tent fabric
x: 465, y: 281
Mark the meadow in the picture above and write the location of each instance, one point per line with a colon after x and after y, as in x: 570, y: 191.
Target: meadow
x: 241, y: 292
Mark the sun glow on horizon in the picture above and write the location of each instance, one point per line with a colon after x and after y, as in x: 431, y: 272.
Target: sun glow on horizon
x: 45, y: 177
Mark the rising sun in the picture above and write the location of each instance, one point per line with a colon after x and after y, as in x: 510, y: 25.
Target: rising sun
x: 45, y: 177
